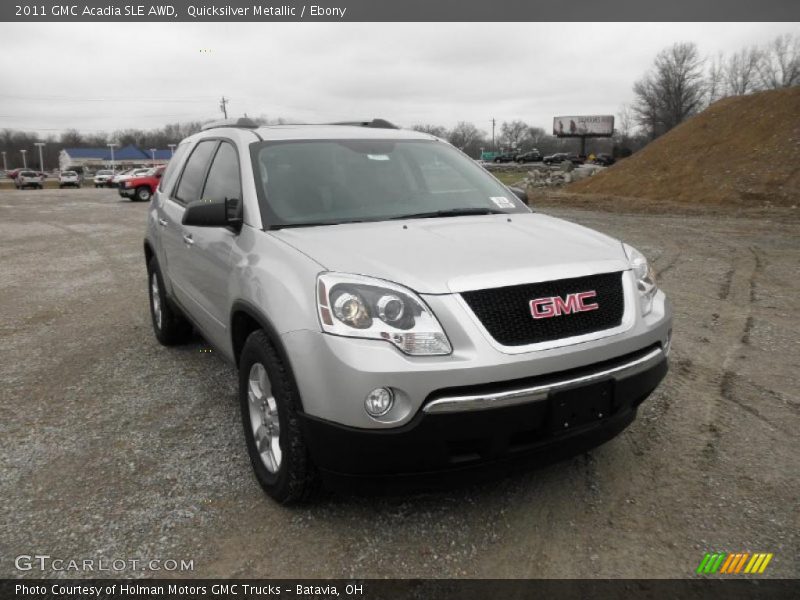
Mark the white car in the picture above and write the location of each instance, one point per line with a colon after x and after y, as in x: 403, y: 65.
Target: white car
x: 69, y: 178
x: 102, y: 176
x: 120, y: 178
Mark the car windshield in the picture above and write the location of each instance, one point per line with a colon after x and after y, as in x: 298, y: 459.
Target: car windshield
x: 104, y: 172
x: 325, y: 182
x: 69, y: 173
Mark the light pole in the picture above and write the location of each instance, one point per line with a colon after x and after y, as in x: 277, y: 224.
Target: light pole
x: 24, y: 162
x: 112, y: 146
x: 5, y: 164
x: 41, y: 161
x: 171, y: 150
x: 153, y: 156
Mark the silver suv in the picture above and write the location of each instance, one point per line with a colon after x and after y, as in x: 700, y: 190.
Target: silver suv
x: 392, y: 308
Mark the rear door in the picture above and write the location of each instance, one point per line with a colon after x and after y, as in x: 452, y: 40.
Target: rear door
x: 173, y: 206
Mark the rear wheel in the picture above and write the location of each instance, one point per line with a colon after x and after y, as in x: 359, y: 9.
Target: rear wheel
x: 170, y: 327
x: 269, y: 404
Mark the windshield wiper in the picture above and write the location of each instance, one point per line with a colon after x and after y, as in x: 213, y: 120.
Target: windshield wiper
x: 450, y: 212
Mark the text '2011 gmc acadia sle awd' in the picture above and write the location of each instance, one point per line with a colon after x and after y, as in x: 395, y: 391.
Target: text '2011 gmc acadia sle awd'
x: 392, y: 309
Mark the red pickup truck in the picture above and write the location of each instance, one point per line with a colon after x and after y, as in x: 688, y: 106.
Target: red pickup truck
x: 141, y: 188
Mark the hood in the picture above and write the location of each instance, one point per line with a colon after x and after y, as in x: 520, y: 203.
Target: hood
x: 456, y: 254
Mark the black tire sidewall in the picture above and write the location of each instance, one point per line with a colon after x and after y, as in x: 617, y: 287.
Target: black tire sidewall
x: 295, y: 480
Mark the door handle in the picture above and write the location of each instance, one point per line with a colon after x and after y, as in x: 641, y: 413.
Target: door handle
x: 162, y: 222
x: 187, y: 239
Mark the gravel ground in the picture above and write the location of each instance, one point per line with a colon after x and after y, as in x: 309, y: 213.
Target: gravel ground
x: 115, y: 447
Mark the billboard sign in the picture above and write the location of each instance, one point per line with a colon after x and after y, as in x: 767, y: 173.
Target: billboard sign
x: 584, y: 126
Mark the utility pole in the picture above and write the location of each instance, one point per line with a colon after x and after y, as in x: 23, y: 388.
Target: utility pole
x: 5, y: 164
x: 24, y: 162
x: 171, y: 150
x: 41, y: 161
x: 494, y: 147
x: 223, y: 106
x: 112, y: 155
x: 153, y: 156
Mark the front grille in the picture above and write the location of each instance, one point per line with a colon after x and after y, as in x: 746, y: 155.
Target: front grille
x: 506, y: 314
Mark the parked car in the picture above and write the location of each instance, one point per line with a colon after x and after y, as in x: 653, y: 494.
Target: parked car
x: 527, y: 157
x: 69, y: 179
x: 604, y: 159
x: 143, y: 186
x: 27, y: 179
x: 384, y: 324
x: 12, y: 174
x: 560, y: 157
x: 102, y: 176
x: 117, y: 180
x: 504, y: 157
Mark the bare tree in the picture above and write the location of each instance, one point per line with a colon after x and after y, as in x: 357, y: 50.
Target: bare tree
x: 741, y: 71
x: 647, y: 105
x: 71, y: 138
x: 463, y: 133
x: 625, y: 121
x: 672, y: 91
x: 534, y: 137
x: 512, y: 133
x: 715, y: 82
x: 779, y: 66
x: 437, y: 130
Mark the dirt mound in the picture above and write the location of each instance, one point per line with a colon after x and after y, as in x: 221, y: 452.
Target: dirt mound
x: 739, y: 150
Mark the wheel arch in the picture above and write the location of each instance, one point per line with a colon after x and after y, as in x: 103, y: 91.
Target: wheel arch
x: 247, y: 318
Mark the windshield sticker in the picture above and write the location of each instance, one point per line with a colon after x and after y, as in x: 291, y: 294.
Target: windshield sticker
x: 502, y: 201
x: 377, y: 157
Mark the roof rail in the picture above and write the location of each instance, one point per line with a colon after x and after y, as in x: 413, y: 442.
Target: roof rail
x: 375, y: 123
x: 240, y: 122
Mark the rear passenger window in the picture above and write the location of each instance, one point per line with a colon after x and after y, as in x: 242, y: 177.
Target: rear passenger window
x: 192, y: 178
x: 223, y: 177
x: 172, y: 165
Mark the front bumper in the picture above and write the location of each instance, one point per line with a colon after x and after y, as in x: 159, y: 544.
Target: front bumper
x: 580, y: 409
x: 126, y: 192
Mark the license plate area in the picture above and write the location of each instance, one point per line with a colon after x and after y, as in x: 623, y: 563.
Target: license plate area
x: 578, y: 406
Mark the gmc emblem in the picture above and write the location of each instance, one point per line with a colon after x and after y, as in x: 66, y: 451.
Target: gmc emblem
x: 554, y: 306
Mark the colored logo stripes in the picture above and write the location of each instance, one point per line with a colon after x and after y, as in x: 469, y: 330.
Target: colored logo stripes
x: 734, y: 562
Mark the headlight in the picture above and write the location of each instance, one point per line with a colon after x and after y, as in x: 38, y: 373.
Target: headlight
x: 645, y: 277
x: 362, y: 307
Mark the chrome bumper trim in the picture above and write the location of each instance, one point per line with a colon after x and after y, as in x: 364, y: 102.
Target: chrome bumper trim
x: 539, y: 392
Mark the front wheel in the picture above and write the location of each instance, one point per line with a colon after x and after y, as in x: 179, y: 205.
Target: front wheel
x: 142, y: 194
x: 269, y: 404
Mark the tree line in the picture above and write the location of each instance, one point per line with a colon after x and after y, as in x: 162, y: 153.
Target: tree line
x: 680, y: 83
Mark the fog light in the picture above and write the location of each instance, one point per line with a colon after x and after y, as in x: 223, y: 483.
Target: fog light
x: 379, y: 402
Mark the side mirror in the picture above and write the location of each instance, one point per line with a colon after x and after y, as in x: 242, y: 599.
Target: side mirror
x: 520, y: 193
x: 213, y: 213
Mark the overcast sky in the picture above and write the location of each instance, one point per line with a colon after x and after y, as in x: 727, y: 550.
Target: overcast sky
x: 109, y: 76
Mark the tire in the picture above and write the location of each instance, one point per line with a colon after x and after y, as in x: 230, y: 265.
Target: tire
x: 269, y: 404
x: 169, y: 326
x: 142, y: 193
